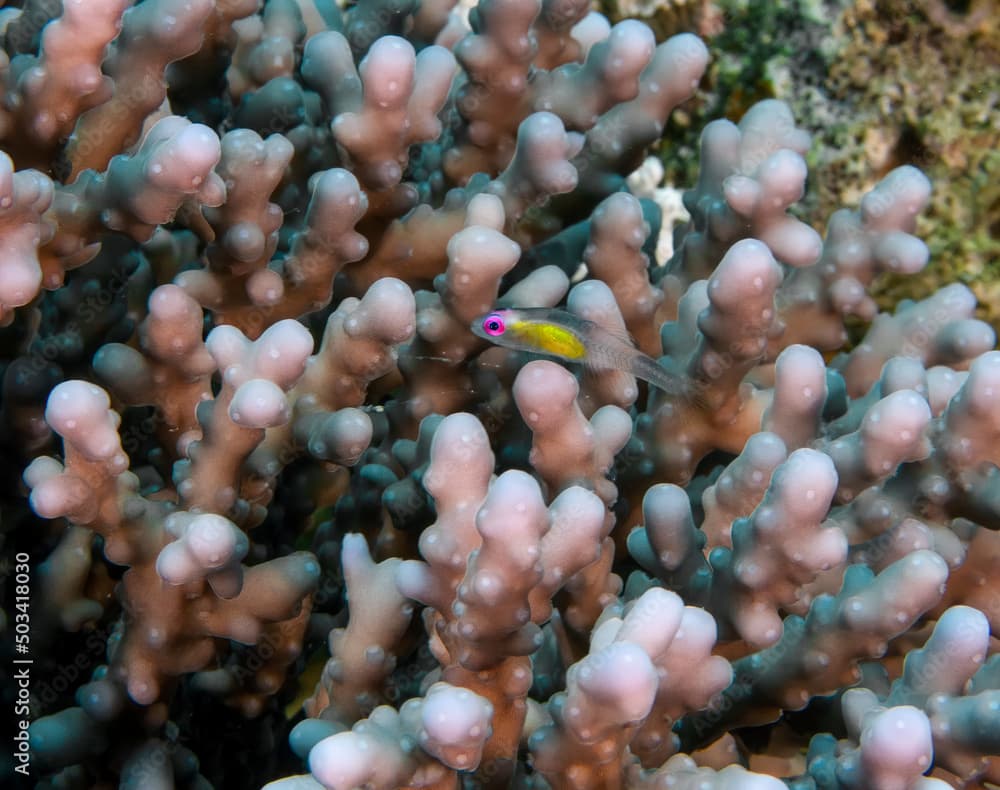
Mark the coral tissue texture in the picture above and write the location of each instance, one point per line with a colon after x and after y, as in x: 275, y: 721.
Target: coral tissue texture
x: 277, y: 516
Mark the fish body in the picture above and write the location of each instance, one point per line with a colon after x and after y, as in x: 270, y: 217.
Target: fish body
x: 557, y: 333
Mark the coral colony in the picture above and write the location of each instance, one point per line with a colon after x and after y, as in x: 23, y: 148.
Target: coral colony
x: 278, y: 515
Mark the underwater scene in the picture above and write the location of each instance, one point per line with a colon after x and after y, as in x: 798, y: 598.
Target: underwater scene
x: 542, y: 394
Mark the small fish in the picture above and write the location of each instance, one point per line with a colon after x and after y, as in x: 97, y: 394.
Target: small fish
x: 557, y: 333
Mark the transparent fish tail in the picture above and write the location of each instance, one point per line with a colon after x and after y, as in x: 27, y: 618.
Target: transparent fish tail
x: 649, y: 370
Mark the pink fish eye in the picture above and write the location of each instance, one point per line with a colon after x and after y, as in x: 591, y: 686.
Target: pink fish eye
x: 493, y: 325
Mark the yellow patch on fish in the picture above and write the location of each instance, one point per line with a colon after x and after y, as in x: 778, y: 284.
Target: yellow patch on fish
x: 550, y: 338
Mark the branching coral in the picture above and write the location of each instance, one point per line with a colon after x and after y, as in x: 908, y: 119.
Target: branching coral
x: 274, y: 489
